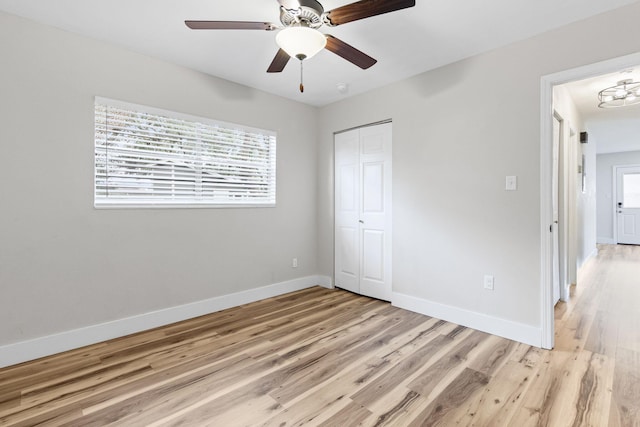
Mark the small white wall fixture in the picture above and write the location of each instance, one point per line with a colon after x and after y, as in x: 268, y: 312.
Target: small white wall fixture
x: 547, y: 83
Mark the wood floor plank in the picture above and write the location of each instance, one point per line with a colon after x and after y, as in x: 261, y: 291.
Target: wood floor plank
x: 346, y: 351
x: 603, y: 334
x: 537, y: 404
x: 394, y: 412
x: 498, y: 401
x: 351, y: 415
x: 462, y: 388
x: 594, y: 399
x: 315, y: 408
x: 426, y: 381
x: 356, y: 375
x: 626, y: 389
x: 408, y: 367
x: 493, y: 356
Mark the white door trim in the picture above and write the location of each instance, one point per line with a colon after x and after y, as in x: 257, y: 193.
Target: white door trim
x: 546, y: 113
x: 556, y: 168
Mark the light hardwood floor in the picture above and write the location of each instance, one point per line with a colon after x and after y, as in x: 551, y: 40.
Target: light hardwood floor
x: 331, y: 358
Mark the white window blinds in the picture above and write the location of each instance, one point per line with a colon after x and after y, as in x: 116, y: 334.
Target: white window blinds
x: 149, y: 157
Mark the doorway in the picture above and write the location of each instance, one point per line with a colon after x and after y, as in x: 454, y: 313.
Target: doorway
x: 548, y: 83
x: 363, y: 210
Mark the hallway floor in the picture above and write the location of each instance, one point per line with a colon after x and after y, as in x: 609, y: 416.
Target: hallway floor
x: 599, y: 328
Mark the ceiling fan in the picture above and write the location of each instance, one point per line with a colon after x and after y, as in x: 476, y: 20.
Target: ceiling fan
x: 298, y: 36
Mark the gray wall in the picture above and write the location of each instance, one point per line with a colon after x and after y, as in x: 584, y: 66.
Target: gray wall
x: 584, y: 200
x: 64, y: 264
x: 587, y: 218
x: 606, y: 199
x: 457, y: 132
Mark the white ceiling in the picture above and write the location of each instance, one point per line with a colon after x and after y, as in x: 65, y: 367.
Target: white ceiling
x: 406, y: 42
x: 613, y: 130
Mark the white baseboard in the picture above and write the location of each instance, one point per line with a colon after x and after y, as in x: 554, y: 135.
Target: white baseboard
x: 23, y: 351
x: 605, y: 240
x: 504, y: 328
x: 593, y: 254
x: 565, y: 292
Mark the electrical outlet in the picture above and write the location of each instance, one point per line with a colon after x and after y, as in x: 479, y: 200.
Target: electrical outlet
x: 294, y: 263
x: 488, y: 282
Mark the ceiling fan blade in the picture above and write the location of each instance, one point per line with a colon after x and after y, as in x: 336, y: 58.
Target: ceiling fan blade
x: 230, y: 25
x: 290, y: 4
x: 365, y: 9
x: 279, y: 62
x: 349, y: 52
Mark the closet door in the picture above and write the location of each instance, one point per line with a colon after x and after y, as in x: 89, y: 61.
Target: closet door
x: 347, y: 210
x: 363, y: 211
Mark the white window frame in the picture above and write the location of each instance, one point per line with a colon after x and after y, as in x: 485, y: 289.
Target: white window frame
x: 214, y: 193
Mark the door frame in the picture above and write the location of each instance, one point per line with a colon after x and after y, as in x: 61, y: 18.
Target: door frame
x: 547, y: 83
x: 571, y: 208
x: 388, y: 214
x: 557, y: 249
x: 614, y: 181
x: 566, y: 199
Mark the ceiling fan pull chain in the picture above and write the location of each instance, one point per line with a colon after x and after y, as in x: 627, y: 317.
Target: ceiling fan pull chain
x: 301, y: 85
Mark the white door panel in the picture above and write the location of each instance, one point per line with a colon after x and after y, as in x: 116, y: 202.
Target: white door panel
x: 349, y: 195
x: 628, y: 204
x: 373, y: 255
x: 373, y: 187
x: 348, y: 268
x: 348, y: 240
x: 366, y: 208
x: 373, y: 140
x: 347, y: 209
x: 628, y: 225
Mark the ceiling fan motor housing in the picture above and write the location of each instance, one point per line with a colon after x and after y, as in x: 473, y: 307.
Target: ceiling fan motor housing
x: 308, y: 15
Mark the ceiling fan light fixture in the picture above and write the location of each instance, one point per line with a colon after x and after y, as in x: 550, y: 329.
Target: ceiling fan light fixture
x: 623, y: 94
x: 301, y: 42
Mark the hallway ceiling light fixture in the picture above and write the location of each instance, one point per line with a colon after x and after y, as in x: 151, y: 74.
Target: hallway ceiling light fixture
x: 626, y: 92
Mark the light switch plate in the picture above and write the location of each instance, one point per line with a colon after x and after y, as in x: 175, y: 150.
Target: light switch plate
x: 488, y: 282
x: 511, y: 183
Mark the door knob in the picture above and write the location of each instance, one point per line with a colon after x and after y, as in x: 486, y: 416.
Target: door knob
x: 361, y: 221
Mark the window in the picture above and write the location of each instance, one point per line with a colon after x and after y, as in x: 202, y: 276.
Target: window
x: 145, y: 157
x: 631, y: 190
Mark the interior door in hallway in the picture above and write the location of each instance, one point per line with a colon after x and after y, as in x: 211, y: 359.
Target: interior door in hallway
x: 363, y: 211
x: 628, y: 204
